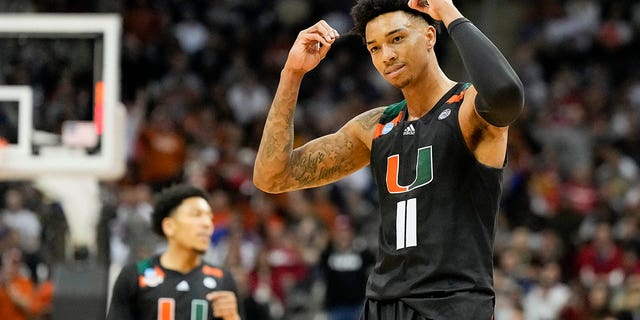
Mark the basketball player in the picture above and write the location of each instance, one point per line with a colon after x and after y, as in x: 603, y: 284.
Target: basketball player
x: 437, y: 156
x: 177, y: 284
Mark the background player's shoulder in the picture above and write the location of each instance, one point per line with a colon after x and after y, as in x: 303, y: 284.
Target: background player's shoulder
x: 213, y: 270
x: 144, y: 264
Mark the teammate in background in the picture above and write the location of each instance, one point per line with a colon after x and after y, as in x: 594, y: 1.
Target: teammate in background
x: 437, y: 156
x: 177, y: 284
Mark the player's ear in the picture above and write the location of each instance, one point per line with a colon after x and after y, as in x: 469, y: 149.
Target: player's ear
x: 168, y: 226
x: 431, y: 35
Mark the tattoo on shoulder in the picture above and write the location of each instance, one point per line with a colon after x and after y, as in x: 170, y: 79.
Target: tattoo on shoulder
x: 370, y: 118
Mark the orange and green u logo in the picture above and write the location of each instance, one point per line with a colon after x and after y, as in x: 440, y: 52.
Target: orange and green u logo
x: 424, y: 171
x: 167, y: 309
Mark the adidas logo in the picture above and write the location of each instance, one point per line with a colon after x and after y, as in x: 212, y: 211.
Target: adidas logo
x: 409, y: 131
x: 183, y: 286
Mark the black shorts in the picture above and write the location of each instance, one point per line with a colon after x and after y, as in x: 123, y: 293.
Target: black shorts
x: 443, y: 308
x: 389, y: 310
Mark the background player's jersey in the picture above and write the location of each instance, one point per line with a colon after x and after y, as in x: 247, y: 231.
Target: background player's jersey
x: 147, y: 291
x: 438, y: 206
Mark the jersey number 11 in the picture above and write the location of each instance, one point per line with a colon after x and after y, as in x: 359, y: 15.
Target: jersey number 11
x: 406, y: 224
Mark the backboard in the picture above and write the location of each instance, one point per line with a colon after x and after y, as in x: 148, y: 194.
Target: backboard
x: 59, y: 96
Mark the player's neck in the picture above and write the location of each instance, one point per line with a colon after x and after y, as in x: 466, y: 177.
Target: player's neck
x: 182, y: 261
x: 422, y: 95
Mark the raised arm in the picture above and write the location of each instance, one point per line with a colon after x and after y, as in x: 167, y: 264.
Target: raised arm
x: 500, y: 95
x: 280, y: 168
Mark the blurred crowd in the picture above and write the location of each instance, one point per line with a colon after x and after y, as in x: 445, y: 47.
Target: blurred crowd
x: 197, y: 80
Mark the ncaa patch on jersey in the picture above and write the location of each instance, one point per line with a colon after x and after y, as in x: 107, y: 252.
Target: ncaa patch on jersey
x: 209, y: 282
x: 151, y: 278
x: 387, y: 127
x: 444, y: 114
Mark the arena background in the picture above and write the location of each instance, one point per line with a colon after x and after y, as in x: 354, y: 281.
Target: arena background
x: 197, y: 78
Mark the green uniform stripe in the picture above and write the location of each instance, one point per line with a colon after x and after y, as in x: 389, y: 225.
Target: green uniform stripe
x: 199, y: 309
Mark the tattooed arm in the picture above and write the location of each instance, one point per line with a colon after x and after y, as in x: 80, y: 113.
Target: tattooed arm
x: 278, y: 167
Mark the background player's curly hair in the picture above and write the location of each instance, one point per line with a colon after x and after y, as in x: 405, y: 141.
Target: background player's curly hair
x: 366, y: 10
x: 169, y: 199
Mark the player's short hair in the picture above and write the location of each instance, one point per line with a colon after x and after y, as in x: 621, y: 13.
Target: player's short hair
x: 169, y: 199
x: 367, y: 10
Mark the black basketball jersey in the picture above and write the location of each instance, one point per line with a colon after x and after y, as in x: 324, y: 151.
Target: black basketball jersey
x: 438, y: 206
x: 147, y: 291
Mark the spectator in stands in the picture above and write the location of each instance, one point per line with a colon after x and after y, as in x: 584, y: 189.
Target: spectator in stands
x: 601, y: 259
x: 20, y: 299
x: 345, y: 267
x: 161, y: 150
x: 26, y: 224
x: 548, y: 297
